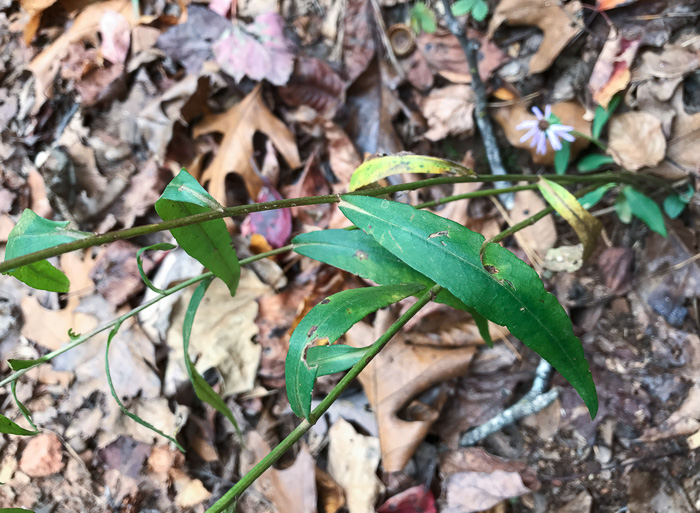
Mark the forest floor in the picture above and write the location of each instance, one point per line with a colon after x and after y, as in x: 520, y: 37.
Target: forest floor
x: 100, y: 108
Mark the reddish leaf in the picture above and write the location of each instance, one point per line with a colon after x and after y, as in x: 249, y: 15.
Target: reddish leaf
x: 315, y: 84
x: 414, y: 500
x: 274, y: 225
x: 605, y: 5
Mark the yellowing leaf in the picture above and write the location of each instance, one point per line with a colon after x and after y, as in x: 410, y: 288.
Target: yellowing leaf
x: 239, y: 124
x: 584, y: 224
x: 375, y: 169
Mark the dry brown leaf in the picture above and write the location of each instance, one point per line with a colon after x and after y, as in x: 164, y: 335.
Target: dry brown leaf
x: 611, y: 72
x: 330, y: 494
x: 559, y: 25
x: 539, y: 237
x: 314, y: 83
x: 570, y: 113
x: 682, y: 422
x: 86, y: 24
x: 189, y: 492
x: 474, y: 480
x: 636, y: 140
x: 238, y: 125
x: 222, y: 335
x: 352, y: 462
x: 42, y: 456
x: 449, y: 112
x: 292, y: 490
x: 396, y: 376
x: 358, y: 38
x: 684, y: 145
x: 657, y: 491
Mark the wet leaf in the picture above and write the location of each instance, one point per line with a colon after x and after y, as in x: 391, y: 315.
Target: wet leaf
x: 586, y: 226
x: 502, y: 288
x: 375, y: 169
x: 209, y: 242
x: 326, y: 322
x: 34, y: 233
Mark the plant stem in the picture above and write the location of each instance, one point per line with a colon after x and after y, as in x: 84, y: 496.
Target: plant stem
x: 84, y: 338
x: 234, y: 493
x: 595, y: 141
x: 129, y: 233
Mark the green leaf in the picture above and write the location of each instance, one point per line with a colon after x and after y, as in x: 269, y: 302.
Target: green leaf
x: 33, y: 233
x: 15, y: 510
x: 589, y: 200
x: 623, y: 209
x: 375, y: 169
x: 645, y: 209
x: 423, y: 18
x: 27, y: 414
x: 326, y: 322
x: 10, y: 428
x: 586, y: 226
x: 208, y: 242
x: 480, y: 10
x: 164, y: 246
x: 356, y: 252
x: 674, y: 205
x: 333, y: 358
x: 203, y: 390
x: 502, y: 288
x: 602, y: 115
x: 16, y: 365
x: 123, y: 408
x: 561, y: 158
x: 462, y: 7
x: 594, y: 161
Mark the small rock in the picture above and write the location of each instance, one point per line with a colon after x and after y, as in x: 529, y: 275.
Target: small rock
x: 42, y: 456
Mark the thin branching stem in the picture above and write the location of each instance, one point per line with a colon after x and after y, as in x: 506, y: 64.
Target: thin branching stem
x: 234, y: 493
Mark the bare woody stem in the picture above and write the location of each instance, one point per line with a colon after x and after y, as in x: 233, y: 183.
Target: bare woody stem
x: 235, y: 492
x: 130, y: 233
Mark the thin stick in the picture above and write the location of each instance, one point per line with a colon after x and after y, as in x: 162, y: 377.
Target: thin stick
x: 493, y: 154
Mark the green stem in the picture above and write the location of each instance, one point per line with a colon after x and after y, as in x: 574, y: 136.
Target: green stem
x: 129, y: 233
x: 83, y: 338
x: 235, y: 492
x: 592, y: 139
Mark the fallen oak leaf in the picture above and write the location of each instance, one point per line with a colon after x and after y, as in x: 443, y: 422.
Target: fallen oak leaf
x: 238, y: 125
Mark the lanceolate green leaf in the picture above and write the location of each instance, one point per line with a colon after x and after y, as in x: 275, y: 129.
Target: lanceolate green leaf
x: 203, y: 390
x: 644, y: 208
x: 208, y: 242
x: 22, y: 408
x: 34, y: 233
x: 375, y: 169
x: 593, y: 162
x: 358, y: 253
x: 502, y: 288
x: 333, y: 358
x: 9, y: 427
x: 326, y: 322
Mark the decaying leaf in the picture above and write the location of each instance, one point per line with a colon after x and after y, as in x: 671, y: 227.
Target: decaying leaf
x: 541, y: 236
x: 314, y: 83
x: 352, y: 462
x: 636, y: 140
x: 611, y: 72
x: 259, y: 50
x: 358, y: 38
x: 222, y: 335
x: 115, y: 31
x: 238, y: 125
x: 683, y: 148
x: 449, y: 112
x: 559, y: 23
x: 400, y: 373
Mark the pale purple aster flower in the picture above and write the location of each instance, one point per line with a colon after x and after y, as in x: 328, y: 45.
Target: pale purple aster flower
x: 541, y: 129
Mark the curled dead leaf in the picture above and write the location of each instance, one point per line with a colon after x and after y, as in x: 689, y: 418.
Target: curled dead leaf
x: 611, y: 72
x: 636, y: 140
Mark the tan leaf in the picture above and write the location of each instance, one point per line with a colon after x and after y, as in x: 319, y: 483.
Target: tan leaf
x: 238, y: 125
x: 449, y: 112
x: 559, y: 23
x: 570, y: 113
x: 396, y: 376
x: 352, y: 462
x: 636, y: 140
x: 541, y: 236
x: 684, y: 145
x: 292, y: 490
x: 222, y: 334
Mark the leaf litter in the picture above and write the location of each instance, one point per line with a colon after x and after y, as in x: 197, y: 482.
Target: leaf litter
x: 261, y: 102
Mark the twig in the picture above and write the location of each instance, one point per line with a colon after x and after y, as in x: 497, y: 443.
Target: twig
x: 470, y: 47
x: 534, y: 401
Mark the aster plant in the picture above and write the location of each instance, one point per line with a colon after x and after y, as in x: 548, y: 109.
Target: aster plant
x: 545, y: 128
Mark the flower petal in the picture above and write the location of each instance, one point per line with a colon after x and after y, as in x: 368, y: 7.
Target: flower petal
x: 526, y: 124
x: 529, y: 134
x: 547, y: 111
x: 553, y: 140
x: 538, y: 113
x: 542, y: 144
